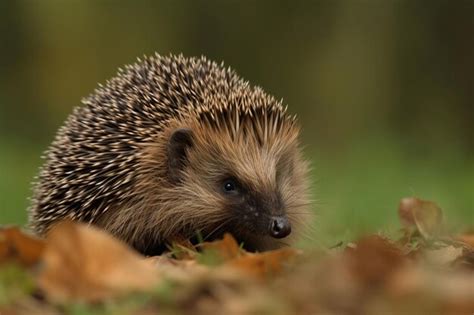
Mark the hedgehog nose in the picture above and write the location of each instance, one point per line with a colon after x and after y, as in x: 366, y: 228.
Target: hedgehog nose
x: 280, y: 227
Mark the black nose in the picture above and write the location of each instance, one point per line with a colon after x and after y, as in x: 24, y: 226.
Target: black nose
x: 280, y: 227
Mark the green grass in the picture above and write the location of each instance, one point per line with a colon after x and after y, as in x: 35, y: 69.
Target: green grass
x: 15, y: 284
x: 19, y: 165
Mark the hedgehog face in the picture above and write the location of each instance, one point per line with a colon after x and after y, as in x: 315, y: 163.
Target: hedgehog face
x: 239, y: 183
x: 259, y: 212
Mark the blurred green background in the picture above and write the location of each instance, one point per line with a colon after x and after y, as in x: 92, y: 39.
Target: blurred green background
x: 384, y: 89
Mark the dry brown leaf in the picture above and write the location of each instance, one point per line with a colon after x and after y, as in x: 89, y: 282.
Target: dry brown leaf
x: 466, y: 260
x: 405, y: 211
x: 178, y: 270
x: 227, y: 248
x: 263, y: 265
x: 467, y: 238
x: 259, y: 265
x: 452, y: 291
x: 425, y: 215
x: 370, y: 276
x: 20, y: 247
x: 374, y: 258
x: 443, y: 256
x: 84, y: 263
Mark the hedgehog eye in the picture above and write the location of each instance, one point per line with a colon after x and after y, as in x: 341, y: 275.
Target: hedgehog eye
x: 229, y: 186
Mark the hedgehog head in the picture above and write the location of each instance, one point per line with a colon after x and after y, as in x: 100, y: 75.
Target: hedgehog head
x: 236, y: 163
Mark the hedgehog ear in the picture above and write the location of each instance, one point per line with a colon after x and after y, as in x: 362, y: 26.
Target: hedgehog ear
x: 178, y: 143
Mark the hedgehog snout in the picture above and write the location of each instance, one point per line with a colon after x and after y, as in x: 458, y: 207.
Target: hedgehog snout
x: 279, y: 227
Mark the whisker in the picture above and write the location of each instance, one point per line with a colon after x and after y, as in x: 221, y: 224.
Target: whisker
x: 284, y: 243
x: 217, y: 228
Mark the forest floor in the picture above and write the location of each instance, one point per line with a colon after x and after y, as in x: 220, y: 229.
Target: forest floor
x: 79, y: 269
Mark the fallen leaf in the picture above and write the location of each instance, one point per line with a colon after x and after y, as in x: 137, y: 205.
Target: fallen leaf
x: 174, y: 269
x: 84, y: 263
x: 443, y: 256
x: 374, y: 258
x: 370, y: 276
x: 20, y: 247
x: 467, y: 238
x: 466, y: 260
x: 263, y: 265
x: 226, y: 249
x: 426, y: 216
x: 451, y: 290
x: 405, y: 211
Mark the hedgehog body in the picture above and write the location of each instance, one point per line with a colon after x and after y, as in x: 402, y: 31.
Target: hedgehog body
x: 171, y: 147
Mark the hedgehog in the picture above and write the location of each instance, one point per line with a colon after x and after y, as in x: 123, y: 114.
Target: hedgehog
x: 177, y: 148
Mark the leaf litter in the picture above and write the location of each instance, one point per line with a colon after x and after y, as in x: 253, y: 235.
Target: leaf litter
x: 79, y: 269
